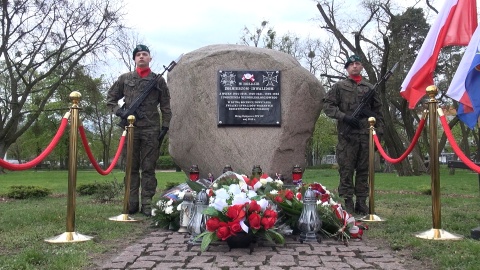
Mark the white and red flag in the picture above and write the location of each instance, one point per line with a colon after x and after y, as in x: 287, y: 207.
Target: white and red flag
x: 454, y: 25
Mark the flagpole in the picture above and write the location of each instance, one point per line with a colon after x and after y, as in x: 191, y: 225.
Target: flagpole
x: 436, y: 233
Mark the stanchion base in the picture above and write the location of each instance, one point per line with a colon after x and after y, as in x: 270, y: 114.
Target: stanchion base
x: 438, y: 234
x: 123, y: 217
x: 68, y: 237
x: 182, y: 230
x: 371, y: 218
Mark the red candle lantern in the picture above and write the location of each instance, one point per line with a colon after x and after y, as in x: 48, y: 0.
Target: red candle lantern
x: 297, y: 174
x: 194, y: 173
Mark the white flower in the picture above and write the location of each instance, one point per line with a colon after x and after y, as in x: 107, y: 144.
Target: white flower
x: 154, y: 212
x: 240, y: 199
x: 215, y: 185
x: 273, y: 191
x: 160, y: 204
x: 169, y: 209
x: 251, y: 194
x: 170, y: 202
x: 263, y: 204
x: 222, y: 193
x: 279, y: 182
x: 219, y: 204
x: 234, y: 189
x: 264, y: 181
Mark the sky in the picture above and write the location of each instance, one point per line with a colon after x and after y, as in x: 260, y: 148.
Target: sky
x: 182, y: 26
x: 170, y: 28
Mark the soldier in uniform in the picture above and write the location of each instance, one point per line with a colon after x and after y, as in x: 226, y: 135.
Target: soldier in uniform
x: 352, y: 149
x: 147, y: 129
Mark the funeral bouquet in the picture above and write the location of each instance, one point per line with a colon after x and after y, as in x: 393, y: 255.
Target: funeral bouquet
x: 236, y: 208
x: 166, y: 211
x: 336, y: 222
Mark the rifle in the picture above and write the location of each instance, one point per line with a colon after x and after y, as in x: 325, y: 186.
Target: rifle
x: 132, y: 110
x: 366, y: 100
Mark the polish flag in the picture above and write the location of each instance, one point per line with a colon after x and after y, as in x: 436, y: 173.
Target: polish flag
x: 454, y: 25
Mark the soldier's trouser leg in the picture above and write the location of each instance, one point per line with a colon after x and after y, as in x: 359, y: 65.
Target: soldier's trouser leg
x: 149, y: 152
x: 346, y: 159
x: 361, y: 177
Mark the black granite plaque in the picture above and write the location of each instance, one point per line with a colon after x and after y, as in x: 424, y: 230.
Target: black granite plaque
x: 249, y: 98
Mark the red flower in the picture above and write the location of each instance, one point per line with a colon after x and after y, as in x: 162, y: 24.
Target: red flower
x: 223, y: 232
x: 254, y: 221
x: 210, y: 192
x: 270, y: 213
x: 299, y: 196
x: 268, y: 222
x: 278, y: 199
x: 251, y: 182
x: 236, y: 212
x: 235, y: 227
x: 213, y: 224
x: 254, y: 207
x: 289, y: 194
x: 325, y: 198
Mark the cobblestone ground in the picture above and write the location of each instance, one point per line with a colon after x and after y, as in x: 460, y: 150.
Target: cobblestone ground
x: 169, y: 250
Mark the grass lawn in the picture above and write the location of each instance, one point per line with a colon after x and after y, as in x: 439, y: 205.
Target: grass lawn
x: 401, y: 201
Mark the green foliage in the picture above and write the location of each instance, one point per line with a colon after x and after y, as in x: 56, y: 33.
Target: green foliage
x: 425, y: 190
x: 102, y: 191
x: 27, y: 192
x: 108, y: 190
x: 165, y: 163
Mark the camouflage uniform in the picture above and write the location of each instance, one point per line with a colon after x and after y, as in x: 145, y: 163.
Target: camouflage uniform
x: 145, y: 142
x: 352, y: 152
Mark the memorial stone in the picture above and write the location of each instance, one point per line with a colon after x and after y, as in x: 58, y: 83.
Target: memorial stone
x: 198, y: 134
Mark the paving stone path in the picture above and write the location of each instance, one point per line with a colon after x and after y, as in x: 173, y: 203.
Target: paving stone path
x: 169, y: 250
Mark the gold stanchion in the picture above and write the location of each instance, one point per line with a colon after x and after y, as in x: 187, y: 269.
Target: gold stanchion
x: 371, y: 175
x: 128, y: 170
x: 70, y: 235
x: 436, y: 233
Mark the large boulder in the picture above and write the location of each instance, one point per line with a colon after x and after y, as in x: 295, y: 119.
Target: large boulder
x: 194, y: 135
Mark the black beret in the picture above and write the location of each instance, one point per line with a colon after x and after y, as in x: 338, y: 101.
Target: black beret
x: 140, y: 48
x: 351, y: 59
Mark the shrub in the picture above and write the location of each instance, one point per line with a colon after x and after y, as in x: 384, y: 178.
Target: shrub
x: 166, y: 163
x: 26, y: 192
x: 105, y: 191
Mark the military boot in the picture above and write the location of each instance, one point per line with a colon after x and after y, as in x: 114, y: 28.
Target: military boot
x: 132, y: 208
x: 361, y: 206
x: 349, y: 205
x: 147, y: 209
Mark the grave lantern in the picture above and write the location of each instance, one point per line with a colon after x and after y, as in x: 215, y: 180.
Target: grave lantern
x: 227, y: 168
x: 297, y: 174
x: 198, y: 222
x: 309, y: 222
x: 186, y: 211
x: 256, y: 172
x: 194, y: 173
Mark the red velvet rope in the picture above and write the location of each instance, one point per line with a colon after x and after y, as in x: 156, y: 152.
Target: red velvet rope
x: 409, y: 149
x: 455, y: 147
x: 92, y: 158
x: 43, y: 155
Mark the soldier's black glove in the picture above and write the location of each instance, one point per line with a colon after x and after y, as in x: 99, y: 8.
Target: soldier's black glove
x: 351, y: 121
x: 119, y: 112
x: 162, y: 134
x: 367, y: 113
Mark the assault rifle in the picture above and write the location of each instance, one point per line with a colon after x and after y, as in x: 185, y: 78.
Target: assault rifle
x: 366, y: 99
x: 132, y: 110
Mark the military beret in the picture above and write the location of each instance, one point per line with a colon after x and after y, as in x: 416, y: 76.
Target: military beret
x: 351, y: 59
x: 140, y: 48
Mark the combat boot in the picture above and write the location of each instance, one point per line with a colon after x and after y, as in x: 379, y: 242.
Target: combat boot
x: 361, y: 207
x: 132, y: 208
x: 147, y: 210
x: 349, y: 205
